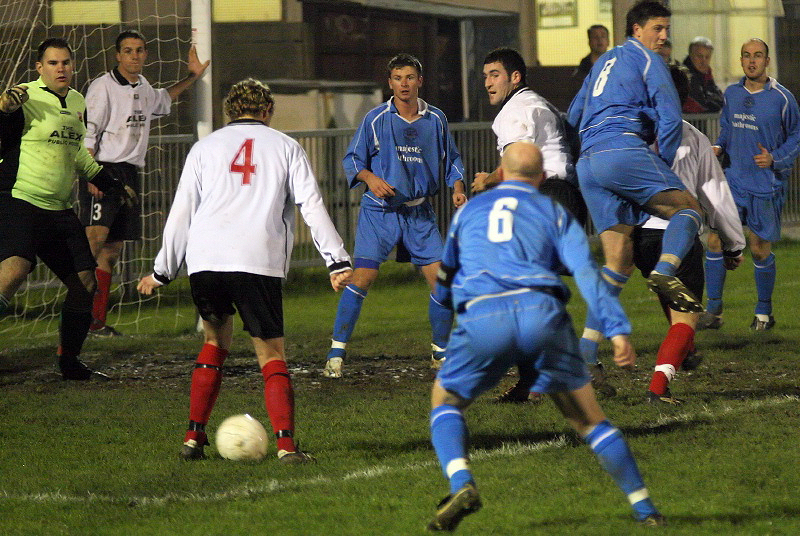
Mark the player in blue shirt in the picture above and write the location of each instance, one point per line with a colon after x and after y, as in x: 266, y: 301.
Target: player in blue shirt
x: 500, y: 269
x: 760, y: 132
x: 398, y: 152
x: 627, y: 102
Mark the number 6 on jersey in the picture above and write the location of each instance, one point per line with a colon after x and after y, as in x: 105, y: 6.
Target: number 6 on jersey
x: 501, y: 219
x: 243, y: 161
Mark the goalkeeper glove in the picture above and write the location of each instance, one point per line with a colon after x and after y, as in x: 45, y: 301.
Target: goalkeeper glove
x: 13, y: 98
x: 109, y: 184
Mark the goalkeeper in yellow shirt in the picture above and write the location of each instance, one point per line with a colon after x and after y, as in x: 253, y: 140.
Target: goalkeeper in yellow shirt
x: 42, y: 125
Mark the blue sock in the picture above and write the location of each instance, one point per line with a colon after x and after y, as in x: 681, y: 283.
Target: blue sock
x: 449, y: 436
x: 614, y: 455
x: 764, y: 272
x: 678, y: 239
x: 715, y: 281
x: 441, y: 319
x: 346, y: 317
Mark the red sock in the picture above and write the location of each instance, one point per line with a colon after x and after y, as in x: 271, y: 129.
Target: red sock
x: 206, y: 379
x: 673, y: 350
x: 279, y: 400
x: 100, y: 298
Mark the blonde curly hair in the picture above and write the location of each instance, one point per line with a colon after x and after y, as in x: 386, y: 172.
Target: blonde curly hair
x: 248, y: 97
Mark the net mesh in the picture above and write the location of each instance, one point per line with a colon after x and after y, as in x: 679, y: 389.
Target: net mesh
x: 23, y: 25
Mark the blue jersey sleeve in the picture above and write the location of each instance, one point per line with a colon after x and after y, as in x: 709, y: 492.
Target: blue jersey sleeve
x: 785, y: 155
x: 576, y: 256
x: 575, y: 111
x: 723, y: 139
x: 449, y: 266
x: 667, y: 105
x: 359, y: 153
x: 454, y: 166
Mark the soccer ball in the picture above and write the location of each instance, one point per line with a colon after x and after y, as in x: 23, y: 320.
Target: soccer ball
x: 241, y: 437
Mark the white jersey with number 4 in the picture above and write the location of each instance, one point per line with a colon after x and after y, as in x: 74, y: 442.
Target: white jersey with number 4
x: 118, y: 116
x: 234, y: 209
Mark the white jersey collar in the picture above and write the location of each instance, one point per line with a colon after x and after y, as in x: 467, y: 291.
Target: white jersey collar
x: 422, y: 106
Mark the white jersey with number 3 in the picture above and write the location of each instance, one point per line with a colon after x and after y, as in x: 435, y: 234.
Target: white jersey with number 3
x: 235, y: 204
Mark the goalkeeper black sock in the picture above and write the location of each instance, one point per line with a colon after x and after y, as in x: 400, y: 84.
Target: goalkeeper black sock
x: 72, y: 330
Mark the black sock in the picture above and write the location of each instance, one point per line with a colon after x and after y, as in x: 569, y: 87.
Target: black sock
x: 72, y: 330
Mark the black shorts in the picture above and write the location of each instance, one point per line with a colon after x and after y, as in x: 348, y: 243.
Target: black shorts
x: 568, y: 195
x: 647, y: 250
x: 258, y: 298
x: 123, y: 221
x: 55, y: 236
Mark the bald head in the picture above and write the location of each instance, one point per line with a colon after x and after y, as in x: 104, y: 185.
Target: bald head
x: 522, y: 161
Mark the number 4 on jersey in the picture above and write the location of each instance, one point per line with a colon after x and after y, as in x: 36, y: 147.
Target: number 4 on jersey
x: 243, y: 161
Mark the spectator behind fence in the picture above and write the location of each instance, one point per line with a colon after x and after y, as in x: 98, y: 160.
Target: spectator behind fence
x: 666, y: 53
x: 704, y: 95
x: 598, y: 44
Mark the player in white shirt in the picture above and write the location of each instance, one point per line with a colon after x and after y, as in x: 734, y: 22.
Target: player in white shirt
x: 232, y: 221
x: 119, y: 107
x: 526, y: 116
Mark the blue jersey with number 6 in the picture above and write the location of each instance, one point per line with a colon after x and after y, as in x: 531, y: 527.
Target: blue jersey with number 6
x: 512, y: 237
x: 629, y: 91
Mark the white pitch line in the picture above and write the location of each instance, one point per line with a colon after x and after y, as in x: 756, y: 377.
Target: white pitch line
x: 273, y: 485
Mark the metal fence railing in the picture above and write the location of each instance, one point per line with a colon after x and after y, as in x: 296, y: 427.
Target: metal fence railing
x: 325, y: 149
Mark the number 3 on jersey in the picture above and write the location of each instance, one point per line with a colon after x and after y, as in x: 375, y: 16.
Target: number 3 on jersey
x: 602, y: 78
x: 243, y: 161
x: 501, y: 219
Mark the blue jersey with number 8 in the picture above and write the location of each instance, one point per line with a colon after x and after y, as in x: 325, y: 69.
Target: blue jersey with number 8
x: 629, y: 91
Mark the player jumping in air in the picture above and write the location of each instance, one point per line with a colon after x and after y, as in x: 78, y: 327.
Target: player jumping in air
x: 627, y: 102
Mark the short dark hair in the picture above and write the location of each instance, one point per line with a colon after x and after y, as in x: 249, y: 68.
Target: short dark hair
x: 511, y: 61
x: 643, y: 12
x: 680, y: 77
x: 759, y: 40
x: 52, y: 42
x: 596, y: 27
x: 403, y: 60
x: 129, y: 34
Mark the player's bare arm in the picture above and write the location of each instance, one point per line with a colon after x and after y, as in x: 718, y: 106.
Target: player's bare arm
x: 624, y: 354
x: 376, y: 185
x: 196, y: 70
x: 459, y: 194
x: 484, y: 181
x: 13, y: 98
x: 340, y: 280
x: 147, y: 285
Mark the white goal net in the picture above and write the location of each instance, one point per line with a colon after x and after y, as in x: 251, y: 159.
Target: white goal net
x: 35, y: 308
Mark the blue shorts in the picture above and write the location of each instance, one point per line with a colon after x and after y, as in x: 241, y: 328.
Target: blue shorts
x: 762, y: 215
x: 497, y: 333
x: 379, y: 230
x: 618, y: 177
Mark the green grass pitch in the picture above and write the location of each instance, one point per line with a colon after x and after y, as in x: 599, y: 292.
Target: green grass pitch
x: 101, y: 458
